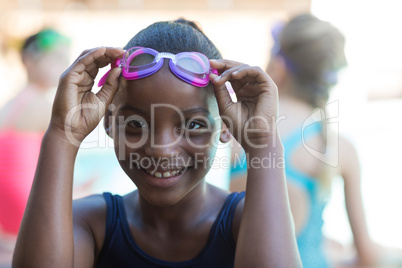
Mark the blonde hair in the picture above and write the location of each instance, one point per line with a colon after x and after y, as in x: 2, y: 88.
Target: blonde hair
x: 313, y: 51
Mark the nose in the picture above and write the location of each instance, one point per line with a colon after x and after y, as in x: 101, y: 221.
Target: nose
x: 163, y: 143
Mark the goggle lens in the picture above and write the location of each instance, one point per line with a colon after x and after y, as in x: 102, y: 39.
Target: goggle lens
x: 136, y: 59
x: 194, y: 64
x: 140, y: 62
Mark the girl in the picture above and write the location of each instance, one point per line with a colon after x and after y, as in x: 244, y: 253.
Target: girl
x: 164, y: 116
x: 306, y: 57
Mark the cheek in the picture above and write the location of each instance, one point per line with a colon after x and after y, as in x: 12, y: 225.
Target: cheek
x: 52, y: 66
x: 203, y: 149
x: 132, y: 137
x: 127, y: 143
x: 200, y: 141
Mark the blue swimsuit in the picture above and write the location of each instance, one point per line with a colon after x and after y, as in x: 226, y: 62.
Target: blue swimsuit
x: 310, y: 238
x: 121, y: 250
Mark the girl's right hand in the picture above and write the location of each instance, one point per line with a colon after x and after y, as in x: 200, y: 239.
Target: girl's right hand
x: 77, y: 110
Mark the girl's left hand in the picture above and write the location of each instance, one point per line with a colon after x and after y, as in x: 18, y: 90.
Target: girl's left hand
x: 252, y: 119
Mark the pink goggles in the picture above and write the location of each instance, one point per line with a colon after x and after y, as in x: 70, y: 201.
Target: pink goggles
x: 140, y: 62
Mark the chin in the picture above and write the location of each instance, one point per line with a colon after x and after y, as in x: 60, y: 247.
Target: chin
x: 167, y: 192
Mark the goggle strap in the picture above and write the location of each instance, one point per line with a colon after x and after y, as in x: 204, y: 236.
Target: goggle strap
x: 102, y: 81
x: 114, y: 64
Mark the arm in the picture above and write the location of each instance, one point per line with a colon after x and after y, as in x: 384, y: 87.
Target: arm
x: 266, y: 236
x: 48, y: 216
x: 46, y: 237
x: 266, y: 230
x: 350, y: 172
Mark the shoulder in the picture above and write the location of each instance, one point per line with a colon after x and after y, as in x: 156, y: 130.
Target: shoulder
x: 347, y: 151
x: 346, y: 146
x: 233, y: 203
x: 89, y: 216
x: 349, y: 163
x: 238, y: 212
x: 223, y: 198
x: 5, y: 111
x: 91, y: 205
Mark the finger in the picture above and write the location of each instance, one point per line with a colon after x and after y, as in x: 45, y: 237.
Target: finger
x: 83, y: 53
x: 250, y: 81
x: 226, y: 75
x: 109, y: 89
x: 97, y: 58
x: 86, y: 51
x: 221, y: 92
x: 222, y: 65
x: 111, y: 54
x: 252, y: 74
x: 250, y: 91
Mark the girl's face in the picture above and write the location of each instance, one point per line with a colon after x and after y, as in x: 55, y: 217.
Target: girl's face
x: 165, y: 133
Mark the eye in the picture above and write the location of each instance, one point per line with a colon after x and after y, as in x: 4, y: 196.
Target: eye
x: 194, y: 125
x: 136, y: 124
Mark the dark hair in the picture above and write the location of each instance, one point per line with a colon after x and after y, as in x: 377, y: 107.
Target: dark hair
x: 43, y: 41
x: 174, y: 37
x: 313, y: 51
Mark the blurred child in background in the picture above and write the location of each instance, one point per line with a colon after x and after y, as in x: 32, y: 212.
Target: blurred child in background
x: 23, y: 122
x: 305, y: 60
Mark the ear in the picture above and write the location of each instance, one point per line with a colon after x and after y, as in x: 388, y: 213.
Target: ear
x: 108, y: 123
x: 276, y: 69
x: 225, y: 134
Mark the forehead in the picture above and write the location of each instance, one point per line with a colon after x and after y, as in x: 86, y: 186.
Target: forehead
x: 164, y: 87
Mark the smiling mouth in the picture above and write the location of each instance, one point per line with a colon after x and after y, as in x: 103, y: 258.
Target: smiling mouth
x: 165, y: 174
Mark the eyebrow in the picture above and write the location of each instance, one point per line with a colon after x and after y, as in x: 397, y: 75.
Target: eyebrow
x: 132, y: 108
x: 197, y: 110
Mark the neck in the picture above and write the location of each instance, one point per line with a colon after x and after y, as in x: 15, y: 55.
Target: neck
x: 290, y: 103
x: 293, y: 113
x: 180, y: 215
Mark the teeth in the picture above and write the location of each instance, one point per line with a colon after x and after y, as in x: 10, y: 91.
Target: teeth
x: 165, y: 174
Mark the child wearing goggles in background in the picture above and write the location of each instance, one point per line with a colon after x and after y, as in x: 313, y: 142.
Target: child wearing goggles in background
x: 305, y: 59
x: 165, y: 122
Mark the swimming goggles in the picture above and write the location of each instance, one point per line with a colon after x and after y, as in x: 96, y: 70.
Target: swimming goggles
x: 140, y: 62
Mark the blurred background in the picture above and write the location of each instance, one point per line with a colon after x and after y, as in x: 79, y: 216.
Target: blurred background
x: 369, y: 92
